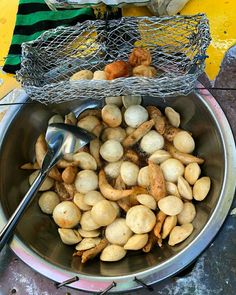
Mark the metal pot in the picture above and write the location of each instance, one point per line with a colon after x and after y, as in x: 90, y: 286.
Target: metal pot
x: 37, y: 242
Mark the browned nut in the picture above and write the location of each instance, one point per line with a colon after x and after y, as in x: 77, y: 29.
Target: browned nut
x: 69, y: 174
x: 144, y: 71
x: 117, y: 69
x: 140, y: 56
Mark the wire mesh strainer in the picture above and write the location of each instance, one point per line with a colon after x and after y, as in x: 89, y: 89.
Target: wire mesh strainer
x: 178, y: 46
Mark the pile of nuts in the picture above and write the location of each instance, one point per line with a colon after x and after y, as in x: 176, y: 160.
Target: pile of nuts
x: 138, y: 65
x: 133, y: 186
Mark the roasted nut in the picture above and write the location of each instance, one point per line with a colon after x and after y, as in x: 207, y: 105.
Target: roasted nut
x: 103, y: 213
x: 169, y: 223
x: 48, y: 201
x: 113, y: 253
x: 184, y: 188
x: 111, y: 115
x: 143, y: 177
x: 82, y: 75
x: 184, y: 142
x: 87, y: 223
x: 47, y: 184
x: 180, y: 233
x: 171, y: 189
x: 69, y: 174
x: 66, y: 214
x: 30, y: 166
x: 192, y: 172
x: 132, y: 156
x: 117, y: 134
x: 91, y: 253
x: 140, y: 219
x: 201, y: 188
x: 136, y: 242
x: 144, y: 71
x: 157, y: 181
x: 117, y: 69
x: 79, y: 201
x: 130, y: 100
x: 129, y: 173
x: 85, y: 161
x: 113, y: 169
x: 93, y: 197
x: 129, y: 130
x: 99, y: 75
x: 172, y: 169
x: 88, y: 123
x: 140, y: 56
x: 88, y: 233
x: 188, y: 214
x: 118, y: 232
x: 135, y: 115
x: 159, y: 156
x: 152, y: 142
x: 86, y: 180
x: 117, y: 100
x: 87, y: 243
x: 172, y: 116
x: 156, y: 115
x: 147, y: 200
x: 70, y: 119
x: 111, y: 151
x: 170, y: 205
x: 69, y: 236
x: 161, y: 216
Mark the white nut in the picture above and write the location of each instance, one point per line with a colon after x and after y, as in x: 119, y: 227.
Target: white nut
x: 93, y: 197
x: 172, y: 116
x: 87, y: 222
x: 171, y: 189
x: 117, y: 100
x: 88, y: 243
x: 152, y: 142
x: 140, y: 219
x: 99, y: 75
x: 118, y: 232
x: 159, y: 156
x: 172, y: 169
x: 201, y: 188
x: 116, y: 207
x: 188, y: 214
x: 86, y: 180
x: 103, y: 213
x: 192, y: 172
x: 79, y: 201
x: 184, y: 188
x: 48, y: 201
x: 180, y: 233
x: 129, y: 173
x: 184, y: 142
x: 135, y: 115
x: 88, y: 123
x: 111, y: 115
x: 117, y: 134
x: 85, y: 161
x: 66, y: 214
x: 113, y: 169
x: 130, y: 100
x: 82, y: 75
x: 169, y: 223
x: 69, y: 236
x: 88, y: 233
x: 147, y: 200
x: 55, y: 119
x: 136, y: 242
x: 111, y: 151
x: 170, y: 205
x: 112, y: 253
x: 47, y: 184
x: 143, y: 177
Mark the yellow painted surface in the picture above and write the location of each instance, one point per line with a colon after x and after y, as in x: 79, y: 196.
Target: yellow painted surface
x: 8, y: 10
x: 221, y: 14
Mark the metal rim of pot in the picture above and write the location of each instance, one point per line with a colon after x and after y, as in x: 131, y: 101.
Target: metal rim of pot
x: 164, y: 269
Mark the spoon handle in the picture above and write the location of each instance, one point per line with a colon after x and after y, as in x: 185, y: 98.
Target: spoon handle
x: 8, y: 229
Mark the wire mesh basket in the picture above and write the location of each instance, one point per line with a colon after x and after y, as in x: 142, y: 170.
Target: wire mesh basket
x: 177, y: 44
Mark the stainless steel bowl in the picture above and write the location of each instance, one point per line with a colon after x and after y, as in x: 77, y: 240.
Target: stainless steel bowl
x: 37, y: 242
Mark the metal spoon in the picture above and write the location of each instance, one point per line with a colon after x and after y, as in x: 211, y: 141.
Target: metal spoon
x: 62, y: 139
